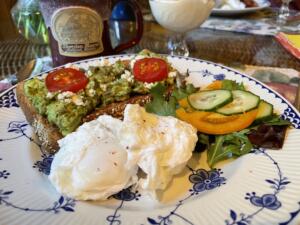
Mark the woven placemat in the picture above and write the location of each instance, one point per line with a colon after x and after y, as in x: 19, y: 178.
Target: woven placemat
x: 18, y: 52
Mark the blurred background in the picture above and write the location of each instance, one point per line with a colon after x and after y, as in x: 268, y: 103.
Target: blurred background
x: 7, y: 28
x: 231, y: 41
x: 23, y: 35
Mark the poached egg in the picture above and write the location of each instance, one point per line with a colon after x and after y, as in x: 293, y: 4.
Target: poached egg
x: 91, y: 164
x: 160, y: 145
x: 103, y: 156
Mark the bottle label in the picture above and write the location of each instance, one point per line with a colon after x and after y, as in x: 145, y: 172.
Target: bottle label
x: 78, y: 31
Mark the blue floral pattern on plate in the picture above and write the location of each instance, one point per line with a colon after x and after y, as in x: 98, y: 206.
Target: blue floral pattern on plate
x: 63, y: 203
x: 66, y: 204
x: 202, y: 180
x: 266, y: 201
x: 206, y: 180
x: 8, y: 100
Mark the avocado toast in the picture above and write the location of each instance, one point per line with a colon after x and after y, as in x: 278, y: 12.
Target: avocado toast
x: 56, y: 103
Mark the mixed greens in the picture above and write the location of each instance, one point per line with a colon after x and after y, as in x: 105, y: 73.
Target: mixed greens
x: 265, y: 130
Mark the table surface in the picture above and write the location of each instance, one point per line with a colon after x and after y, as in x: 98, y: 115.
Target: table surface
x: 225, y: 47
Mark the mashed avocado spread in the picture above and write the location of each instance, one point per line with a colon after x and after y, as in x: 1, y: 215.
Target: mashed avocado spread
x: 107, y: 84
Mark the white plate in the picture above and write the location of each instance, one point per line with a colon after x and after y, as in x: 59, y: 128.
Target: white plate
x: 259, y: 188
x: 237, y: 12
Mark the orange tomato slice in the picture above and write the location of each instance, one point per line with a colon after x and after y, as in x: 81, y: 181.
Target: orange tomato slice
x: 219, y: 118
x: 216, y: 85
x: 220, y: 124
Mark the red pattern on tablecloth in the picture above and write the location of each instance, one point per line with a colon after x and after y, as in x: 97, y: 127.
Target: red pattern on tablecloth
x: 288, y: 45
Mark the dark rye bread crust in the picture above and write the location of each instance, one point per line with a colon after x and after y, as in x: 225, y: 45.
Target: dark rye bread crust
x: 49, y: 134
x: 117, y: 109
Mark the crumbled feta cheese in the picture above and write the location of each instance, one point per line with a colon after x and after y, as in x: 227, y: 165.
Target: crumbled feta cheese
x: 103, y: 87
x: 68, y: 100
x: 149, y: 85
x: 89, y: 73
x: 172, y: 74
x: 132, y: 62
x: 50, y: 95
x: 69, y: 97
x: 91, y: 92
x: 127, y: 76
x: 127, y: 72
x: 77, y: 100
x: 64, y: 95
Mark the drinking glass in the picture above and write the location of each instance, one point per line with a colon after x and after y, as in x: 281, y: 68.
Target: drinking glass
x: 282, y: 18
x: 284, y: 12
x: 29, y: 21
x: 180, y: 16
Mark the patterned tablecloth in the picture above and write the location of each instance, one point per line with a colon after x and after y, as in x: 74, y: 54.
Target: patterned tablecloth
x: 284, y: 81
x: 259, y: 23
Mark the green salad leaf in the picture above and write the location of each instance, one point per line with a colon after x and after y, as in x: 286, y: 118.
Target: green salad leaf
x: 219, y: 147
x: 232, y: 85
x: 183, y: 92
x: 166, y: 106
x: 159, y: 104
x: 228, y: 146
x: 275, y: 120
x: 236, y: 144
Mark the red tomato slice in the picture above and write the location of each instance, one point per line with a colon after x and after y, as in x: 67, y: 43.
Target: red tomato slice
x: 66, y: 79
x: 150, y: 70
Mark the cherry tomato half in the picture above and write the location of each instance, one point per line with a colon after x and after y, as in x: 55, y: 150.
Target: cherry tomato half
x: 66, y: 79
x: 150, y: 70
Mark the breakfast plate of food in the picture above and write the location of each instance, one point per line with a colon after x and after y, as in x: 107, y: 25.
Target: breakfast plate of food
x: 147, y: 139
x: 238, y: 7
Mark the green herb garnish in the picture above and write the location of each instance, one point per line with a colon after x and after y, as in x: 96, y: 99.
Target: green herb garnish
x: 232, y: 85
x: 159, y: 104
x: 183, y: 92
x: 166, y: 106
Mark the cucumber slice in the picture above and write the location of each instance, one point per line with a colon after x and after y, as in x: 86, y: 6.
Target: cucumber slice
x: 265, y: 111
x: 209, y: 100
x: 243, y: 101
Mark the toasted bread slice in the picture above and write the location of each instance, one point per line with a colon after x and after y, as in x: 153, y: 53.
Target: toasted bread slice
x: 49, y: 134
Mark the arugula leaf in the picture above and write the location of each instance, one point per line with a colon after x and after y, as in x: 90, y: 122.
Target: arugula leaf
x: 227, y: 146
x: 159, y: 105
x: 217, y: 152
x: 276, y: 120
x: 183, y: 92
x: 243, y: 142
x: 232, y: 85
